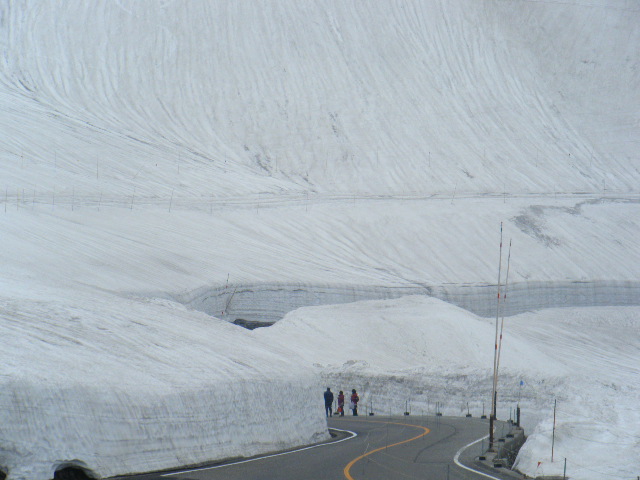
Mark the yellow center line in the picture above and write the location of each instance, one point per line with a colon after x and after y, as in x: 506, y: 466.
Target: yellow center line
x: 355, y: 460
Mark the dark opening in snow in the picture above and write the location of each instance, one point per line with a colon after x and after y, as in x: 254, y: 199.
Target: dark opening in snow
x: 251, y: 324
x: 73, y: 471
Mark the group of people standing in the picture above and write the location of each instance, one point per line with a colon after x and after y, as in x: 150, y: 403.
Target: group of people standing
x: 328, y: 402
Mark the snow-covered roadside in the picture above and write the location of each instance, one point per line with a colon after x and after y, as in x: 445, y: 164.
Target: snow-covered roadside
x: 597, y: 418
x: 417, y: 351
x: 149, y: 384
x: 141, y: 386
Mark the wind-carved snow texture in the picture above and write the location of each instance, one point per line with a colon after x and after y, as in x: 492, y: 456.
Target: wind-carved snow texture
x: 531, y: 224
x: 157, y: 157
x: 531, y: 221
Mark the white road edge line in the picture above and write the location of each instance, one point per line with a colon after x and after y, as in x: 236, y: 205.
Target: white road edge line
x: 353, y: 435
x: 457, y: 461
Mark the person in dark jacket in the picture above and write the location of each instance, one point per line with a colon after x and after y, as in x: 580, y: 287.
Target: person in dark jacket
x: 341, y: 403
x: 354, y: 402
x: 328, y: 402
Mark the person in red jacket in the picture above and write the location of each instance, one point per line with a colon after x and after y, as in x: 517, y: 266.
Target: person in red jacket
x: 341, y: 403
x: 354, y: 402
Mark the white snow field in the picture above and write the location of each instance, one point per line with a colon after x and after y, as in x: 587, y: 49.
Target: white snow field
x: 171, y: 166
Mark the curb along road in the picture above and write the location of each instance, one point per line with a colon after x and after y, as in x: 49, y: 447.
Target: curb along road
x: 372, y: 449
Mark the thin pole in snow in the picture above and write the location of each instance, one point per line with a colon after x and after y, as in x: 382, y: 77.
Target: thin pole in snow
x: 553, y: 434
x: 171, y: 201
x: 492, y: 413
x: 502, y: 304
x: 226, y: 307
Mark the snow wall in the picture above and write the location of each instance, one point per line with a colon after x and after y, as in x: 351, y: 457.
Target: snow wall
x: 271, y: 302
x: 112, y: 432
x: 143, y: 385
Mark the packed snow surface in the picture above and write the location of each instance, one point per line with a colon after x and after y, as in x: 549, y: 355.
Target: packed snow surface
x: 171, y: 166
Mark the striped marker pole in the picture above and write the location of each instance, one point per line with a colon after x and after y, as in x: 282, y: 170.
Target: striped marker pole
x: 504, y: 300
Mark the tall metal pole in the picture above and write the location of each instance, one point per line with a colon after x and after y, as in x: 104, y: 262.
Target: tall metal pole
x: 492, y: 413
x: 502, y: 305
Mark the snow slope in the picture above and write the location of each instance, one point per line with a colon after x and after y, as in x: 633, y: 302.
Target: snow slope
x: 232, y: 98
x: 166, y: 163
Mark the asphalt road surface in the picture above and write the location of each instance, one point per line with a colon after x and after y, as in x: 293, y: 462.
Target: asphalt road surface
x: 410, y: 447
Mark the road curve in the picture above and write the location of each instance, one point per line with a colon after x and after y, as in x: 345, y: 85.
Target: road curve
x: 384, y: 448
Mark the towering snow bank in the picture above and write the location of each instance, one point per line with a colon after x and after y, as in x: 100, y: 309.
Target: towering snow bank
x: 120, y: 385
x: 393, y: 335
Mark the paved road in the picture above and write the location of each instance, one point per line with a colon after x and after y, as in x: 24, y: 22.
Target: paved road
x: 385, y: 448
